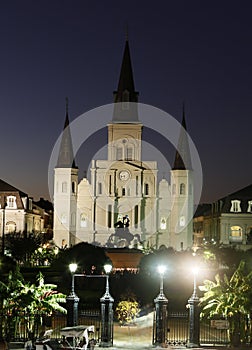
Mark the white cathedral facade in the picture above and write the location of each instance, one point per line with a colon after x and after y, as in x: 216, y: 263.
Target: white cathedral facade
x: 123, y: 204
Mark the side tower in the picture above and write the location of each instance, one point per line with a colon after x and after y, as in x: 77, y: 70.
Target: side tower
x: 181, y: 228
x: 65, y: 191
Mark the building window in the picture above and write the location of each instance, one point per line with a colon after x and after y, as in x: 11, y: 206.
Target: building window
x: 146, y: 189
x: 11, y: 202
x: 123, y: 191
x: 119, y: 153
x: 10, y: 227
x: 63, y: 219
x: 83, y: 221
x: 109, y: 215
x: 129, y: 153
x: 235, y: 234
x: 136, y: 216
x: 110, y: 185
x: 73, y: 187
x: 99, y: 188
x: 235, y: 206
x: 249, y: 207
x: 182, y: 189
x: 136, y: 185
x: 163, y: 224
x: 182, y: 221
x: 64, y: 187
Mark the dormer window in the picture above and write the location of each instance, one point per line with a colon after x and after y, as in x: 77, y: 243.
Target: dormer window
x: 235, y: 206
x: 249, y: 207
x: 11, y: 202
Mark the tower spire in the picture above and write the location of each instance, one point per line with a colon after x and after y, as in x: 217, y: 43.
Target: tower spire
x: 125, y: 92
x: 66, y: 157
x: 182, y: 157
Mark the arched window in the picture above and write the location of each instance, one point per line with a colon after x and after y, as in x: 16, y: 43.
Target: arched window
x: 99, y: 188
x: 136, y: 216
x: 249, y: 207
x: 182, y: 221
x: 73, y: 187
x: 235, y: 234
x: 109, y: 216
x: 10, y: 227
x: 83, y: 220
x: 119, y: 153
x: 129, y: 153
x: 163, y: 224
x: 63, y: 218
x: 182, y: 188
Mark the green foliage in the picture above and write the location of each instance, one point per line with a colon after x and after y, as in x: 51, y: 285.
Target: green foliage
x: 228, y: 298
x: 127, y: 311
x: 128, y: 308
x: 27, y: 303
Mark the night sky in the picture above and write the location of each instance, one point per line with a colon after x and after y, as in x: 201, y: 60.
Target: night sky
x: 199, y: 52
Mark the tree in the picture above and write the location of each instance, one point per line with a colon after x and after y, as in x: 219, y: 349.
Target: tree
x: 229, y: 298
x: 28, y: 303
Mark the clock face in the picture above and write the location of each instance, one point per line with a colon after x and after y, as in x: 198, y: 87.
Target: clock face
x: 124, y: 175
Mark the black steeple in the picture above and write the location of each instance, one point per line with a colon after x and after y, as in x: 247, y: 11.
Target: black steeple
x: 182, y: 157
x: 66, y: 157
x: 124, y: 112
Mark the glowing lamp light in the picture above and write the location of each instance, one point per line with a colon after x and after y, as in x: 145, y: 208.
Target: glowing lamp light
x: 73, y: 267
x: 107, y: 268
x: 161, y: 269
x: 195, y: 270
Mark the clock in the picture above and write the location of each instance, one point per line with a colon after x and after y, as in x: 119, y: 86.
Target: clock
x: 124, y: 175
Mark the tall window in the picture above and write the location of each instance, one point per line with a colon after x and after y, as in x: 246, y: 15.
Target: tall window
x: 64, y: 187
x: 136, y: 216
x: 73, y: 187
x: 129, y: 153
x: 11, y: 202
x: 249, y: 207
x: 182, y: 221
x: 83, y: 221
x: 99, y: 188
x: 136, y: 185
x: 123, y: 191
x: 146, y: 189
x: 119, y: 153
x: 109, y: 215
x: 125, y: 103
x: 235, y: 234
x: 163, y: 224
x: 235, y: 206
x: 182, y: 189
x: 63, y: 218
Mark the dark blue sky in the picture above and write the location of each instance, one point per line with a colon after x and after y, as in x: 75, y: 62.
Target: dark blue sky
x: 199, y: 52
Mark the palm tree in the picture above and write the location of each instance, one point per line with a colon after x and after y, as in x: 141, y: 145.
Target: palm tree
x: 28, y: 303
x: 229, y: 298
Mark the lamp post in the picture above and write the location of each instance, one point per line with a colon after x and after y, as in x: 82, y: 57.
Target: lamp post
x: 3, y: 230
x: 194, y: 315
x: 72, y: 301
x: 161, y: 302
x: 107, y: 313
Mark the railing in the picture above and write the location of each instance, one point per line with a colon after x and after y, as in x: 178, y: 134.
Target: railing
x: 15, y: 327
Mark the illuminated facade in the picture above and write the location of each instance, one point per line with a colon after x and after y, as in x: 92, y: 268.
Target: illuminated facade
x: 228, y: 221
x: 19, y: 213
x: 123, y: 205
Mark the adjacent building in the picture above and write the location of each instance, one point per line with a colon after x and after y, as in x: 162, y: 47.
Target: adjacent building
x: 228, y: 221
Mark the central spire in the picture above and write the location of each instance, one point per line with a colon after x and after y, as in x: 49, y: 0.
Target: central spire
x: 124, y: 111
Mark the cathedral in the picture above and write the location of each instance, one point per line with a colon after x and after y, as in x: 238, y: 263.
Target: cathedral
x: 123, y: 204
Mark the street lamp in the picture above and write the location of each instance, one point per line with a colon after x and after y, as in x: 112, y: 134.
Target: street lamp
x: 72, y: 301
x: 107, y: 313
x: 194, y: 314
x: 161, y: 302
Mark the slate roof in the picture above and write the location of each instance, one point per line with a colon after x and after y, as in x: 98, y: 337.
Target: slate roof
x: 5, y: 187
